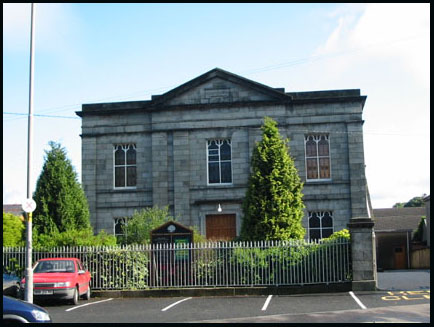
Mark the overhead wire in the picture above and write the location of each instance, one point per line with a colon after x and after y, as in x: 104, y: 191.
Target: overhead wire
x: 252, y: 71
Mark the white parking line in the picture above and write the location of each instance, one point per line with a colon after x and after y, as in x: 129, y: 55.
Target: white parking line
x: 173, y: 304
x: 267, y: 302
x: 83, y: 305
x: 357, y: 300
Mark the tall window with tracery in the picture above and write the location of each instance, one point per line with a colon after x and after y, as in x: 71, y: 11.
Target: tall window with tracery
x: 317, y: 157
x: 124, y: 165
x: 219, y: 159
x: 320, y: 224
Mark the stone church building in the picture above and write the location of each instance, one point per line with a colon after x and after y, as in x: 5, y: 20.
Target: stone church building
x: 190, y: 149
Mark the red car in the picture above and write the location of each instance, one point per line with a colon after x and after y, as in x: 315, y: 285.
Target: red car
x: 60, y: 278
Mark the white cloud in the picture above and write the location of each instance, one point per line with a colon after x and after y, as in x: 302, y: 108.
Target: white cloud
x: 383, y: 49
x: 13, y: 195
x: 397, y: 31
x: 16, y: 25
x: 391, y: 32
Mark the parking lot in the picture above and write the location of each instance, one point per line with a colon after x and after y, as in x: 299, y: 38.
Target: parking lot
x: 403, y: 298
x: 246, y: 308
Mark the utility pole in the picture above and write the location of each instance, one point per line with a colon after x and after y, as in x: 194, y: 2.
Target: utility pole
x: 28, y: 205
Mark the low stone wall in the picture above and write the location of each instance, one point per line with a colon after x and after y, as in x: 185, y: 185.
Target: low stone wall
x: 228, y: 291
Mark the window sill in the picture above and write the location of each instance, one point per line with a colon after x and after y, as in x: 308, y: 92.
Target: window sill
x: 221, y: 184
x: 319, y: 181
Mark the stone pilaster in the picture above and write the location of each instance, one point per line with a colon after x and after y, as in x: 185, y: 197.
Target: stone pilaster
x: 363, y: 255
x: 88, y: 177
x: 159, y: 169
x: 356, y: 162
x: 181, y: 163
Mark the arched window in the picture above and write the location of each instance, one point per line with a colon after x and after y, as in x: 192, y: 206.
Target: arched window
x: 320, y: 224
x: 317, y: 148
x: 219, y: 161
x: 125, y: 165
x: 118, y: 225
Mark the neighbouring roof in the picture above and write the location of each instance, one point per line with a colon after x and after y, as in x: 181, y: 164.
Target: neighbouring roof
x: 397, y: 219
x: 15, y: 209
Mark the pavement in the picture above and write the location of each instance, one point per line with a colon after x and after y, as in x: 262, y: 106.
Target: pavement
x: 404, y: 280
x: 400, y: 314
x: 393, y: 280
x: 402, y: 297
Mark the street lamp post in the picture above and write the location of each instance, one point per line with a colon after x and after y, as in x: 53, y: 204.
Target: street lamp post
x: 28, y: 205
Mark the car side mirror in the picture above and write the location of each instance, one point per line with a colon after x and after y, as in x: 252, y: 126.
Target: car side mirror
x: 81, y: 272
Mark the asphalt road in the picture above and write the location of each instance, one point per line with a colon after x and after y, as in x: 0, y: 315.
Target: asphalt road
x: 402, y: 306
x: 407, y: 302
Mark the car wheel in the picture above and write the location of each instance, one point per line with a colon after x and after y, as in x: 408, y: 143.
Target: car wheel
x: 75, y: 296
x: 87, y: 294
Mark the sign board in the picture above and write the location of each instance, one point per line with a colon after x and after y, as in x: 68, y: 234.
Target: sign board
x: 182, y: 254
x: 173, y: 233
x: 174, y: 258
x: 28, y: 205
x: 168, y: 232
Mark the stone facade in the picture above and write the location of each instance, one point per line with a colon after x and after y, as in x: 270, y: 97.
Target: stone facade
x: 171, y: 132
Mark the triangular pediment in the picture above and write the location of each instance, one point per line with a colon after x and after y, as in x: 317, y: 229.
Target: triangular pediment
x: 219, y: 86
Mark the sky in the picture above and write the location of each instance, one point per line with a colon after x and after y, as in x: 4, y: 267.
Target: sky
x: 95, y: 53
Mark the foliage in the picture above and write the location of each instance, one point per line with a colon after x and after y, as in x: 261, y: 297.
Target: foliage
x: 111, y: 267
x: 417, y: 201
x: 247, y: 263
x: 273, y: 207
x: 342, y: 234
x: 197, y: 236
x: 130, y: 264
x: 12, y: 266
x: 72, y: 237
x: 294, y: 258
x: 61, y: 203
x: 294, y: 261
x: 13, y: 230
x: 418, y: 233
x: 138, y: 228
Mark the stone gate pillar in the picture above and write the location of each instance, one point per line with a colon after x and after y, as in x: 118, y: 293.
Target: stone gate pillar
x: 363, y: 254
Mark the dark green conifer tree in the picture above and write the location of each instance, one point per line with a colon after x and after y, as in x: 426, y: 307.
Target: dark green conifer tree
x: 273, y: 207
x: 61, y: 204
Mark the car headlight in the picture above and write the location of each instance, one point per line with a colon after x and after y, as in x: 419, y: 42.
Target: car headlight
x: 40, y: 315
x: 63, y: 284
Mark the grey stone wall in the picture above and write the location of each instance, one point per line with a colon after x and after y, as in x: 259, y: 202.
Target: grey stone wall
x: 172, y: 152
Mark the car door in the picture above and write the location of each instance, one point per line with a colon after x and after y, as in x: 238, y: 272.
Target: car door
x: 82, y: 280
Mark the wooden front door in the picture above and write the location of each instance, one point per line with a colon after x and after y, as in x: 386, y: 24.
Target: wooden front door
x: 221, y: 227
x: 400, y: 258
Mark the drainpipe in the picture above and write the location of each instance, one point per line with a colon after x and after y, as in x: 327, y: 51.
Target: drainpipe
x: 408, y: 251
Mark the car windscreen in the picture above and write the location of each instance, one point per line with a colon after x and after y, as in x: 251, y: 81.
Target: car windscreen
x: 55, y: 266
